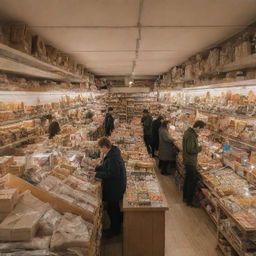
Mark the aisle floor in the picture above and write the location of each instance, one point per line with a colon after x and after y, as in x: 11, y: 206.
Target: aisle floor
x: 189, y: 231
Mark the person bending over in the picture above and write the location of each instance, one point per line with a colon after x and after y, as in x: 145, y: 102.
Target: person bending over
x: 113, y: 174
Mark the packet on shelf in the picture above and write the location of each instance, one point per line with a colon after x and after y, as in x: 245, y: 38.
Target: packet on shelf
x: 5, y: 162
x: 72, y: 231
x: 37, y: 243
x: 49, y: 222
x: 22, y: 223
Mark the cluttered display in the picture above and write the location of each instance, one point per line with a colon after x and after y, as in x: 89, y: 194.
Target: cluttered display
x: 54, y: 207
x: 226, y: 166
x: 143, y: 189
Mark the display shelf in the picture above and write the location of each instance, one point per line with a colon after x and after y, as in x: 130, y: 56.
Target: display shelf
x: 237, y: 222
x: 17, y: 143
x: 22, y: 63
x: 14, y: 121
x: 214, y: 220
x: 221, y: 251
x: 228, y: 115
x: 243, y: 63
x: 232, y: 243
x: 217, y: 113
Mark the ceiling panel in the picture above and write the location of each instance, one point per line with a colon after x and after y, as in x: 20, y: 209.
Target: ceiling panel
x: 198, y: 12
x: 84, y: 57
x: 73, y: 12
x: 189, y: 40
x: 152, y: 67
x: 91, y: 39
x: 162, y: 55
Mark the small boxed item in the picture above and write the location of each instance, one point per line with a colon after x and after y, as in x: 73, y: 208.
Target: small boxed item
x: 8, y: 199
x: 17, y: 170
x: 22, y: 223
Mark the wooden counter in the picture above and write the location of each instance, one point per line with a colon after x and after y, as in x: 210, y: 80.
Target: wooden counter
x: 144, y: 229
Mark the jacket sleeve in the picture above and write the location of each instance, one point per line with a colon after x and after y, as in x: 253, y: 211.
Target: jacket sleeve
x: 192, y: 146
x: 109, y: 169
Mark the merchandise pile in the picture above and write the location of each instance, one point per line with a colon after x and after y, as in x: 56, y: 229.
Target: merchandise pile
x: 143, y: 189
x: 55, y: 207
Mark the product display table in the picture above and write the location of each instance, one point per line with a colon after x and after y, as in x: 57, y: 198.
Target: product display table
x: 144, y: 228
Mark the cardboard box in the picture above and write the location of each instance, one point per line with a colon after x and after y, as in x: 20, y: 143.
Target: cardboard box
x: 59, y: 204
x: 8, y: 199
x: 3, y: 216
x: 22, y: 223
x: 17, y: 170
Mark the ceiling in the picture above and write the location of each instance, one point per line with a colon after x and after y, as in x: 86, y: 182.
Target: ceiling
x: 139, y: 37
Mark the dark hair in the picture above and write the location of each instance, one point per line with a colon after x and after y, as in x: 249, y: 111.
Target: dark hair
x: 199, y: 124
x: 165, y: 123
x: 145, y: 111
x: 160, y: 118
x: 89, y: 115
x: 110, y: 109
x: 104, y: 141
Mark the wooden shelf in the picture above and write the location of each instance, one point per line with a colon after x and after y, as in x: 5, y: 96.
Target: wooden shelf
x: 214, y: 220
x: 241, y: 225
x: 243, y: 63
x: 231, y: 243
x: 12, y: 60
x: 17, y: 143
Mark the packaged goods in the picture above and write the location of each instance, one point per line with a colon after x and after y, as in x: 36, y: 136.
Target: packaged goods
x: 8, y: 199
x: 72, y: 231
x: 37, y: 243
x: 48, y: 222
x: 22, y: 223
x: 29, y: 253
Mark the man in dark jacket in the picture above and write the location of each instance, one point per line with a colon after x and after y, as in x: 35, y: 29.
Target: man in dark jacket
x: 146, y: 121
x: 113, y: 174
x: 54, y: 127
x: 191, y: 149
x: 109, y: 122
x: 155, y: 134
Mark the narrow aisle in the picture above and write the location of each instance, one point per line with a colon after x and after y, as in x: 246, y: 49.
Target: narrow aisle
x: 189, y: 231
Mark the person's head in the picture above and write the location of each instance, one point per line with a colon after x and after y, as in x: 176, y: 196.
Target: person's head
x: 165, y: 124
x: 110, y: 110
x: 104, y: 144
x: 160, y: 118
x: 145, y: 112
x: 199, y: 125
x: 89, y: 115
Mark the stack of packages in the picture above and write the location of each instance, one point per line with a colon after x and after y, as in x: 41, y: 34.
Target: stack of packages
x: 34, y: 228
x: 15, y: 132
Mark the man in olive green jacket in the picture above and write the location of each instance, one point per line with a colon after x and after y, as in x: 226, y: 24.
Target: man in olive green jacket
x: 190, y: 152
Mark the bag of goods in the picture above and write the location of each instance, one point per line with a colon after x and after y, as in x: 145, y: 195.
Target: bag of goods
x: 49, y: 222
x: 72, y: 231
x: 30, y: 253
x: 37, y: 243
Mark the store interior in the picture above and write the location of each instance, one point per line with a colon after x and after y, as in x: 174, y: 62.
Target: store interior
x: 71, y: 64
